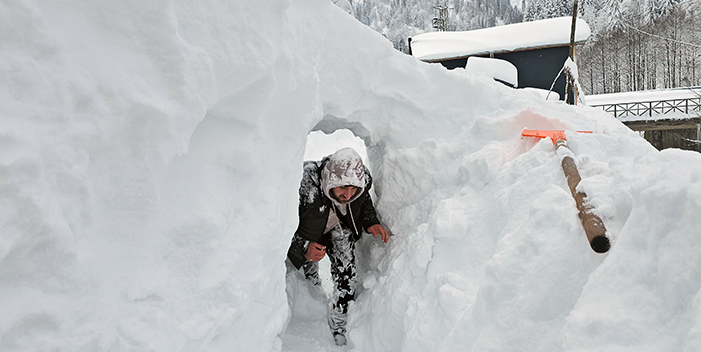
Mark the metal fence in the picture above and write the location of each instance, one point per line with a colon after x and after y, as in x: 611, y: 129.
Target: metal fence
x: 652, y: 108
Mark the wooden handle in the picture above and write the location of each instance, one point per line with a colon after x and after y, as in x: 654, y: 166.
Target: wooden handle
x: 593, y: 226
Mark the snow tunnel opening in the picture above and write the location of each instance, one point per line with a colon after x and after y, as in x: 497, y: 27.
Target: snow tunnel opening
x: 358, y: 137
x: 320, y: 144
x: 354, y: 131
x: 326, y: 138
x: 307, y: 304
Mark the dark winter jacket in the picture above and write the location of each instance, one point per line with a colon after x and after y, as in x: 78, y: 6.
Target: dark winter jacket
x: 315, y: 206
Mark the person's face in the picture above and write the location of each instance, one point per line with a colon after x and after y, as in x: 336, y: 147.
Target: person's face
x: 344, y: 193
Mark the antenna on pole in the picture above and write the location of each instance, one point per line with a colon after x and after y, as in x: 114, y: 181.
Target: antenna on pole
x: 441, y: 22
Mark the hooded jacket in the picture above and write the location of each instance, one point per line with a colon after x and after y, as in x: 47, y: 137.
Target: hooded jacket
x: 343, y: 168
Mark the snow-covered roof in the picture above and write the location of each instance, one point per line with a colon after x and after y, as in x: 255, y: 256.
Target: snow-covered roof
x: 643, y: 96
x: 664, y: 104
x: 518, y: 36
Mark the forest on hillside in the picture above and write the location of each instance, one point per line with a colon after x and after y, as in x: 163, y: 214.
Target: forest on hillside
x: 635, y: 44
x: 639, y: 45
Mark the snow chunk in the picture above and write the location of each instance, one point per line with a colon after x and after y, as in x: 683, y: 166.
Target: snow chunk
x: 499, y: 69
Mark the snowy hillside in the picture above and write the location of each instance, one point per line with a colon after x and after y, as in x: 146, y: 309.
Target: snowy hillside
x: 152, y: 151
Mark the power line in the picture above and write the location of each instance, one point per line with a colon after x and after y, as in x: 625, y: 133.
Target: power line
x: 658, y: 36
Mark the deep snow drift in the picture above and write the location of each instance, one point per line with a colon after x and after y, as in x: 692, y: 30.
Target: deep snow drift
x: 151, y: 155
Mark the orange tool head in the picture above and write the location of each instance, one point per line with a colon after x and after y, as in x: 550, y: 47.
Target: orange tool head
x: 553, y: 134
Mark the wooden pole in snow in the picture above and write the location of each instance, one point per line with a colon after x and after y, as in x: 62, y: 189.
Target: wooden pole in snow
x: 570, y: 98
x: 574, y: 27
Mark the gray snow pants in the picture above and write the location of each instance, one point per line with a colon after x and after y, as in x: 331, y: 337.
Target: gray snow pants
x: 340, y: 247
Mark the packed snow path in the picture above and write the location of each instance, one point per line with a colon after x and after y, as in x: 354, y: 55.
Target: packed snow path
x: 151, y: 155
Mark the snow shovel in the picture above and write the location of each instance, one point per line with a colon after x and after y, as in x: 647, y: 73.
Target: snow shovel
x: 593, y: 226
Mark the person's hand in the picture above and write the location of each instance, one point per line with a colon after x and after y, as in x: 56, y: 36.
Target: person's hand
x: 315, y: 252
x: 377, y: 229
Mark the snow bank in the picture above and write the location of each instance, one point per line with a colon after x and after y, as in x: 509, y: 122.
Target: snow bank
x: 498, y: 68
x: 152, y: 154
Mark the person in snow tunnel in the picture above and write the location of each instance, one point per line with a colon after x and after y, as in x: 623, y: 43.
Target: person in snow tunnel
x: 334, y: 207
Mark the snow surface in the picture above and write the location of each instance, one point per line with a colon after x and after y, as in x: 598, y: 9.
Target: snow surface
x: 498, y: 68
x: 644, y: 96
x: 152, y: 152
x: 516, y: 36
x: 676, y: 97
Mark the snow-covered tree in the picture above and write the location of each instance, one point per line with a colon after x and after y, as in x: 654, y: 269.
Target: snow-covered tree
x: 398, y: 20
x: 639, y: 45
x: 543, y: 9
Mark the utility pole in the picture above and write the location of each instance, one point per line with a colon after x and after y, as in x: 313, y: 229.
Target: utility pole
x: 571, y: 96
x: 441, y: 22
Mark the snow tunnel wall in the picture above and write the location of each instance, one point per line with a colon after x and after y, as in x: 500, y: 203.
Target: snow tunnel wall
x: 151, y: 159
